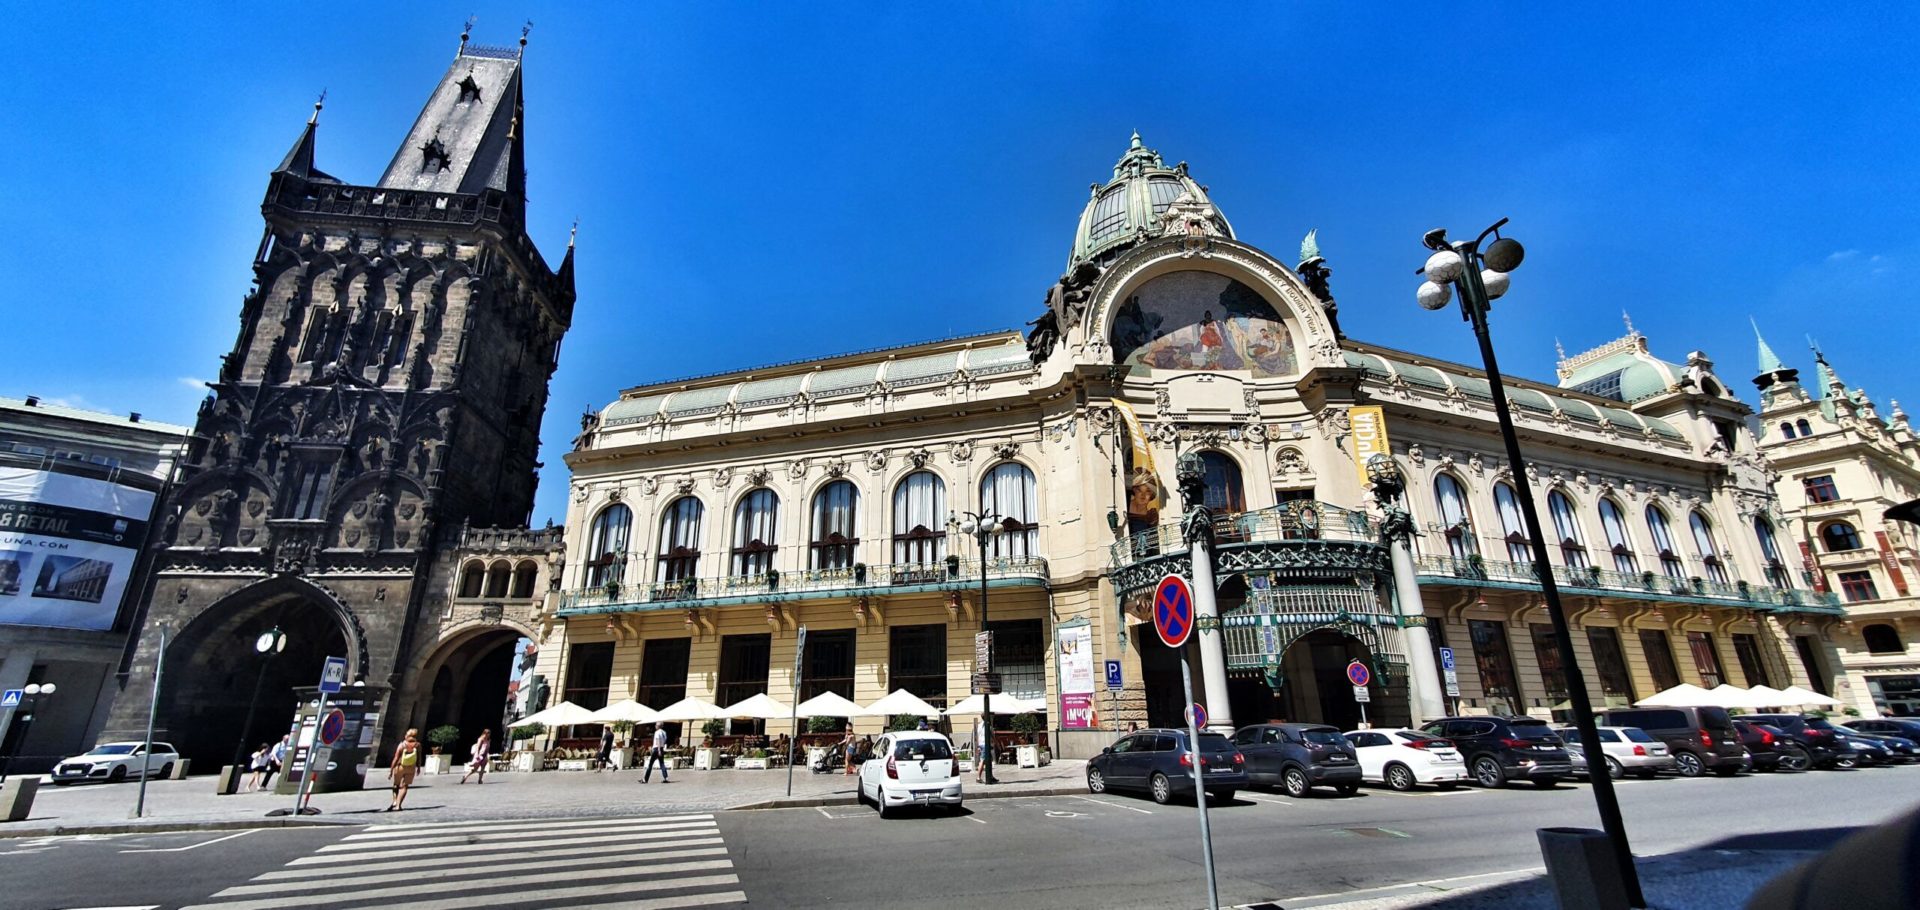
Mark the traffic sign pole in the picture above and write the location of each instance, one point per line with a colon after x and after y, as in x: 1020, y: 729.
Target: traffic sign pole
x: 304, y: 791
x: 1199, y: 785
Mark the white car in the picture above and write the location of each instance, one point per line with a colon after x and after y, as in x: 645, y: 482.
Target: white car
x: 910, y: 768
x: 1403, y: 759
x: 1628, y: 750
x: 115, y: 762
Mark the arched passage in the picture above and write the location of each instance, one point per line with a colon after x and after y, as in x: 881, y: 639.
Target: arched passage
x: 464, y: 683
x: 212, y: 668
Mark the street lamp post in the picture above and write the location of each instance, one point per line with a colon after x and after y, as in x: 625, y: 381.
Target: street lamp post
x: 33, y: 692
x: 268, y: 646
x: 1481, y: 277
x: 983, y: 527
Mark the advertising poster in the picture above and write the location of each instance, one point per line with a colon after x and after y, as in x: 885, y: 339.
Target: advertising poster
x: 1076, y: 677
x: 67, y: 547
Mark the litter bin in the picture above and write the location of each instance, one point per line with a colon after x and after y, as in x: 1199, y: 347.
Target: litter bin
x: 1581, y: 864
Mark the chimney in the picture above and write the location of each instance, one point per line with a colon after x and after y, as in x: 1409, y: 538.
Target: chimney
x: 133, y: 417
x: 33, y: 401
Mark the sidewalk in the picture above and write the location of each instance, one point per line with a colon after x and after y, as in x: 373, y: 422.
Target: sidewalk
x: 192, y: 804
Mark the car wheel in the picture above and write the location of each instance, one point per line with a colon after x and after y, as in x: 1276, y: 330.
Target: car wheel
x: 1346, y: 789
x: 1690, y: 764
x: 880, y: 801
x: 1847, y: 762
x: 118, y: 774
x: 1225, y: 796
x: 1399, y: 777
x: 1161, y: 788
x: 860, y: 792
x: 1295, y: 782
x: 1096, y: 782
x: 1726, y: 770
x: 1486, y: 772
x: 166, y: 771
x: 1614, y: 770
x: 1794, y: 758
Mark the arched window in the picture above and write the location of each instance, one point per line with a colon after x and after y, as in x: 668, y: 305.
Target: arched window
x: 1786, y: 429
x: 1806, y: 429
x: 1662, y: 531
x: 1518, y: 548
x: 523, y: 579
x: 920, y: 519
x: 1224, y: 496
x: 756, y: 521
x: 1839, y: 536
x: 680, y: 540
x: 1566, y: 526
x: 1770, y: 551
x: 607, y: 545
x: 836, y: 526
x: 1709, y: 550
x: 1008, y: 491
x: 1454, y: 521
x: 473, y: 580
x: 1882, y: 639
x: 1619, y: 540
x: 497, y: 579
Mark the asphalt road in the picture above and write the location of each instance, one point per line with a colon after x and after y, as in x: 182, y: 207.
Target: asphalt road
x: 1059, y: 852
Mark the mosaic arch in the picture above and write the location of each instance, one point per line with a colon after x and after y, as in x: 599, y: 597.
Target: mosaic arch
x: 1192, y: 320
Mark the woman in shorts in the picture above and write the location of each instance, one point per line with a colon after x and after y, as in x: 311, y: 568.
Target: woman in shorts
x: 406, y: 763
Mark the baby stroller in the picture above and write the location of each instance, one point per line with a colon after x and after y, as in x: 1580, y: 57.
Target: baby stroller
x: 833, y: 759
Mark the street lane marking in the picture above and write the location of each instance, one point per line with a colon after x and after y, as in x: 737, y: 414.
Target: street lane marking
x: 354, y: 881
x: 1270, y: 802
x: 360, y: 842
x: 384, y: 852
x: 548, y: 896
x: 1430, y: 881
x: 189, y: 846
x: 665, y: 903
x: 824, y: 812
x: 1114, y: 805
x: 467, y: 859
x: 974, y: 818
x: 505, y: 881
x: 392, y: 831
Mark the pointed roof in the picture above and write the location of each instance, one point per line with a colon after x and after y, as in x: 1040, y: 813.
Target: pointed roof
x: 565, y: 272
x: 467, y: 137
x: 299, y: 159
x: 1769, y: 361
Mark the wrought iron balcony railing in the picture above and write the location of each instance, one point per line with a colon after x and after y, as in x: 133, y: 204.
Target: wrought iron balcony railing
x: 1302, y: 520
x: 950, y: 573
x: 1648, y: 584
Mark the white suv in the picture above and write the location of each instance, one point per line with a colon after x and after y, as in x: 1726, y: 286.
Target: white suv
x: 910, y: 768
x: 116, y: 762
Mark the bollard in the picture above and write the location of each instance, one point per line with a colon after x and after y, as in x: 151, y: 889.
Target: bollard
x: 180, y: 770
x: 230, y: 777
x: 16, y: 798
x: 1581, y: 864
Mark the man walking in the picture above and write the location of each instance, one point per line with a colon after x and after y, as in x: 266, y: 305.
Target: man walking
x: 657, y: 754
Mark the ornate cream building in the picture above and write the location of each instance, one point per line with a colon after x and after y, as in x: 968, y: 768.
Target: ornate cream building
x: 1841, y: 466
x: 711, y: 518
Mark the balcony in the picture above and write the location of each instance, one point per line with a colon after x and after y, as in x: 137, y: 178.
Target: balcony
x: 1643, y: 586
x: 1302, y: 539
x: 951, y: 574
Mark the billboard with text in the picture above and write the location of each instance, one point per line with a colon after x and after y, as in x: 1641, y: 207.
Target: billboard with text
x: 68, y: 547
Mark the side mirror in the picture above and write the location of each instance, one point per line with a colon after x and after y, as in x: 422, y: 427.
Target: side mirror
x: 1107, y: 750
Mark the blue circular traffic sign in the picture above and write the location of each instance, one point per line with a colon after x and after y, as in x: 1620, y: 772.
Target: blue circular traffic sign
x: 1173, y: 610
x: 331, y: 726
x: 1197, y: 714
x: 1357, y: 673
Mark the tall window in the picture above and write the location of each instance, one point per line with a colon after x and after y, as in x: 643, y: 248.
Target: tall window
x: 1660, y: 663
x: 1805, y: 428
x: 917, y: 662
x: 1573, y: 547
x: 1553, y: 673
x: 607, y: 545
x: 311, y: 490
x: 836, y: 526
x: 1008, y: 491
x: 1020, y: 657
x: 1663, y: 544
x: 1746, y: 648
x: 680, y: 540
x: 744, y: 662
x: 473, y: 580
x: 756, y: 521
x: 1770, y: 551
x: 1456, y: 525
x: 829, y: 663
x: 1858, y: 586
x: 499, y: 577
x: 919, y: 519
x: 1839, y: 536
x: 1786, y: 429
x: 1709, y: 550
x: 1515, y: 527
x: 1881, y: 638
x: 1810, y: 658
x: 523, y: 579
x: 1618, y: 539
x: 1495, y: 661
x: 663, y: 671
x: 1616, y: 682
x: 1224, y: 496
x: 1821, y: 488
x: 589, y: 671
x: 1705, y: 658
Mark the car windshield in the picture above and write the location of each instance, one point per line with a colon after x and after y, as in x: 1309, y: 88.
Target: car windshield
x: 1214, y: 742
x: 113, y: 750
x: 1535, y: 730
x: 1322, y: 737
x: 1417, y: 737
x: 921, y: 749
x: 1819, y: 723
x: 1638, y: 735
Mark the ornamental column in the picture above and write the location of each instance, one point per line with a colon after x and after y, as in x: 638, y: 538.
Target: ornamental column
x: 1197, y: 528
x: 1424, y: 688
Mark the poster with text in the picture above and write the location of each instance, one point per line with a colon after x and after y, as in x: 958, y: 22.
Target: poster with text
x: 1076, y: 677
x: 67, y: 547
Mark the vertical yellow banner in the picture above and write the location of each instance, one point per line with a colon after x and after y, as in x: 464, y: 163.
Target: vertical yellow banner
x: 1369, y: 436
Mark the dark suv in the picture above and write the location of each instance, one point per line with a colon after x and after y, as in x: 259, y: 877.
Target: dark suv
x: 1812, y: 742
x: 1702, y: 739
x: 1159, y: 762
x: 1762, y: 742
x: 1889, y: 726
x: 1299, y: 757
x: 1500, y: 749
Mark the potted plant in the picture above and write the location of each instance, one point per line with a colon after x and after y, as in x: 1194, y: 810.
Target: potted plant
x: 755, y: 760
x: 623, y: 737
x: 859, y: 573
x: 900, y: 722
x: 1029, y: 754
x: 773, y: 579
x: 1476, y: 566
x: 524, y: 757
x: 441, y: 738
x: 613, y: 590
x: 964, y: 758
x: 1593, y: 576
x: 707, y: 757
x: 1646, y: 579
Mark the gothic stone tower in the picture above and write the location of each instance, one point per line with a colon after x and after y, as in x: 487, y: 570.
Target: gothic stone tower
x: 386, y: 387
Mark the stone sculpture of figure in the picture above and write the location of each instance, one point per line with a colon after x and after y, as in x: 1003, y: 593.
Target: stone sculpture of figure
x: 1314, y: 272
x: 1069, y: 297
x: 589, y: 423
x: 1045, y: 334
x: 1191, y: 473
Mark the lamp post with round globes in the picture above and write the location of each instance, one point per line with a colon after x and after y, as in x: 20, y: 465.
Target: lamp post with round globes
x: 982, y: 528
x: 269, y: 645
x: 32, y: 693
x: 1480, y: 278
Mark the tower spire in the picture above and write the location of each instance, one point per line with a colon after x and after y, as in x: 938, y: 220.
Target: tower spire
x: 1769, y: 361
x: 299, y: 159
x: 465, y: 31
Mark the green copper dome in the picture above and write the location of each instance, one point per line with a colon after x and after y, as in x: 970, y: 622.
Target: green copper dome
x: 1130, y: 207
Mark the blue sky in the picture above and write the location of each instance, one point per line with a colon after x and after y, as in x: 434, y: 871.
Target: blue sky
x: 765, y: 182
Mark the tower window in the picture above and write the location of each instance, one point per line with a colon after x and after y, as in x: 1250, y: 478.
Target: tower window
x: 434, y: 155
x: 469, y: 89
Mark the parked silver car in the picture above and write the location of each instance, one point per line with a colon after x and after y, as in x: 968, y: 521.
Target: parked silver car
x: 1629, y: 750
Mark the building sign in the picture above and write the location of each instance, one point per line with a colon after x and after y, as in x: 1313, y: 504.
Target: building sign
x: 1892, y: 564
x: 1077, y: 681
x: 67, y: 547
x: 1369, y: 436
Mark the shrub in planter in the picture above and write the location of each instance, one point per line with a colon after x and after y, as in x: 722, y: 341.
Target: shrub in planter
x: 904, y: 722
x: 518, y: 734
x: 1646, y: 580
x: 773, y: 579
x: 624, y: 730
x: 859, y: 573
x: 1476, y: 566
x: 1027, y: 725
x: 714, y: 728
x: 1593, y: 575
x: 443, y: 736
x: 613, y: 589
x: 825, y: 724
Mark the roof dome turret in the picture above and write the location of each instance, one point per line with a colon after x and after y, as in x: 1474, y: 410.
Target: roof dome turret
x: 1136, y: 204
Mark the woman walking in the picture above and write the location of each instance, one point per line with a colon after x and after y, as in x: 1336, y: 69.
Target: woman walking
x: 482, y: 753
x: 258, y: 764
x: 406, y: 763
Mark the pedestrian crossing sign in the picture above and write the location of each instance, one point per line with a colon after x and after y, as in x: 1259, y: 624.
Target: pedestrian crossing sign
x: 11, y: 699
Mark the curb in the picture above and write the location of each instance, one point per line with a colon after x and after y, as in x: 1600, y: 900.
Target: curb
x: 167, y: 827
x: 815, y: 802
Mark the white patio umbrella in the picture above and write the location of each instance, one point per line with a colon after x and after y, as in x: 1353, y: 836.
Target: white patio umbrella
x: 760, y: 707
x: 564, y: 714
x: 900, y: 701
x: 1798, y: 696
x: 1002, y: 704
x: 1732, y: 696
x: 691, y: 708
x: 1684, y: 695
x: 1769, y: 697
x: 627, y: 710
x: 829, y: 704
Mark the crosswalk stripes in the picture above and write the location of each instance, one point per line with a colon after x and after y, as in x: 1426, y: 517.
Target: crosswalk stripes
x: 649, y: 863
